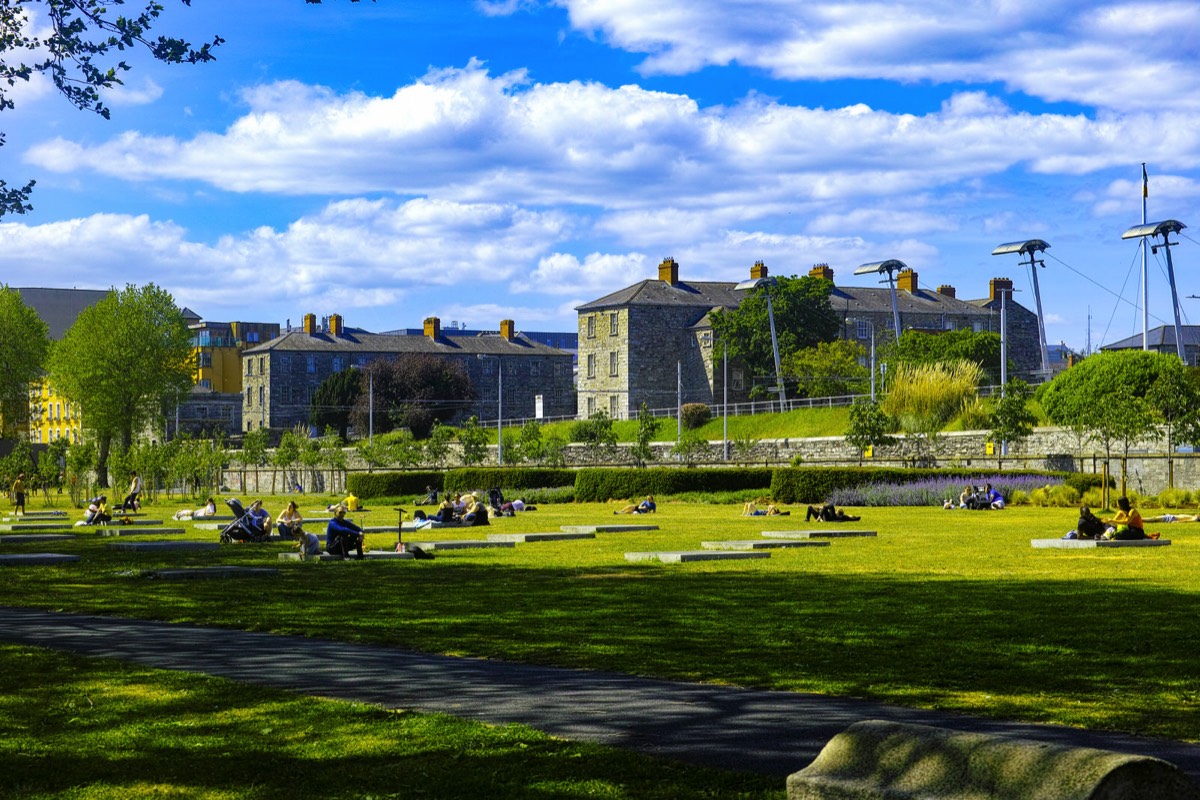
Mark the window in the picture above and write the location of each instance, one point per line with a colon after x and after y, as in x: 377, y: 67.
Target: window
x: 311, y: 363
x: 262, y: 395
x: 591, y: 365
x: 262, y: 365
x: 739, y: 380
x: 249, y: 364
x: 337, y: 363
x: 864, y: 329
x: 613, y: 403
x: 706, y: 338
x: 249, y: 398
x: 977, y: 327
x: 487, y: 366
x: 252, y: 336
x: 612, y: 363
x: 613, y: 319
x: 285, y: 363
x: 591, y: 327
x: 204, y: 383
x: 591, y: 406
x: 535, y: 367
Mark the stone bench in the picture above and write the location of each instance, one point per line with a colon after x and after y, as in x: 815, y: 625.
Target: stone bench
x: 155, y: 546
x: 762, y: 544
x: 459, y: 544
x: 34, y: 537
x: 40, y: 559
x: 682, y: 556
x: 816, y: 534
x: 879, y: 760
x: 122, y: 530
x: 369, y: 555
x: 537, y: 537
x: 212, y: 572
x: 412, y: 527
x: 34, y: 515
x: 15, y: 527
x: 1088, y: 544
x: 606, y: 528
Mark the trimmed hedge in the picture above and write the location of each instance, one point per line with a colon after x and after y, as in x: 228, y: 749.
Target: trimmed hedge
x: 599, y: 485
x: 1082, y: 481
x: 392, y: 484
x: 815, y: 484
x: 507, y: 478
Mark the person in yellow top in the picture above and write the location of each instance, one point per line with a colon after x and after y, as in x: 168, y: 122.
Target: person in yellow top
x: 1127, y: 524
x: 18, y: 493
x: 351, y: 502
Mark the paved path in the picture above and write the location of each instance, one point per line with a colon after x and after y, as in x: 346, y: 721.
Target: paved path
x: 775, y: 733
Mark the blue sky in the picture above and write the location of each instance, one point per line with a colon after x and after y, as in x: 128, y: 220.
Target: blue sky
x: 513, y: 159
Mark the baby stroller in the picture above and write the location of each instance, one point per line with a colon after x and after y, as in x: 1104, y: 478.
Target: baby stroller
x: 496, y: 501
x: 243, y: 528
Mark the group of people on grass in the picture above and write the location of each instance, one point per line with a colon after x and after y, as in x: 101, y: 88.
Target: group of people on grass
x: 1127, y: 524
x: 977, y: 499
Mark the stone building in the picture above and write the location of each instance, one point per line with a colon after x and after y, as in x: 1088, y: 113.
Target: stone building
x: 280, y: 376
x: 640, y: 344
x: 1162, y: 340
x: 215, y: 404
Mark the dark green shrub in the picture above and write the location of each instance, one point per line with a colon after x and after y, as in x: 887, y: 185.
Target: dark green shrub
x: 1082, y: 481
x: 392, y: 484
x: 612, y: 483
x: 693, y: 415
x: 507, y: 479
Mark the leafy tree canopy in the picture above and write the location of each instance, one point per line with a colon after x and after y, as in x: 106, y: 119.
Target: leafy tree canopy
x: 830, y: 369
x: 413, y: 391
x: 803, y: 318
x: 334, y: 399
x: 24, y: 344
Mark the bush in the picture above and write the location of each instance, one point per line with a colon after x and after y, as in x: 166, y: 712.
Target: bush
x: 694, y: 415
x: 507, y: 479
x: 1082, y: 481
x: 392, y: 484
x: 1064, y: 496
x: 603, y: 484
x: 1020, y: 498
x: 1093, y: 498
x: 1175, y: 498
x: 546, y: 495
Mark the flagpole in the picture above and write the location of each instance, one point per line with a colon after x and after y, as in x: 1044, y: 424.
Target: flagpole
x: 1145, y: 268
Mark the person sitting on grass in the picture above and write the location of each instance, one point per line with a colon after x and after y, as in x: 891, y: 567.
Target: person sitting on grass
x: 994, y: 498
x: 342, y: 536
x: 445, y: 512
x: 828, y: 513
x: 477, y: 514
x: 97, y: 512
x: 647, y: 506
x: 309, y: 544
x: 258, y: 518
x: 290, y: 522
x: 1127, y: 524
x: 430, y: 498
x: 1089, y: 525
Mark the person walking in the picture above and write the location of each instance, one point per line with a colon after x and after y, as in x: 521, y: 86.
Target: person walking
x: 18, y: 493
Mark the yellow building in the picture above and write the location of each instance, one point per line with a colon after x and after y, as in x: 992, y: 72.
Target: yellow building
x: 52, y: 416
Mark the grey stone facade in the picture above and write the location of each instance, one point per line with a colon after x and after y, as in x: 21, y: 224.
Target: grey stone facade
x: 280, y: 376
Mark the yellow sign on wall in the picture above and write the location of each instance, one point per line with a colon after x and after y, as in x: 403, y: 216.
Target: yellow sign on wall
x: 869, y: 452
x: 990, y: 448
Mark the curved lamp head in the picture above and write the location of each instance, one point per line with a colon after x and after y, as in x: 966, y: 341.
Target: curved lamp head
x: 889, y: 266
x: 1163, y: 228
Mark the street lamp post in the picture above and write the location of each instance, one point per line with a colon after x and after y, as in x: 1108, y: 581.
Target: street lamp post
x: 766, y: 283
x: 1164, y: 229
x: 370, y: 401
x: 499, y: 407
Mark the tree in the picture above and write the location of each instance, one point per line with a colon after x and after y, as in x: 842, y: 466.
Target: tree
x: 924, y: 397
x: 648, y: 426
x: 828, y: 369
x: 287, y: 455
x: 333, y: 400
x: 473, y: 440
x: 333, y: 456
x: 869, y: 426
x: 124, y: 360
x: 254, y: 452
x: 1175, y: 402
x: 81, y: 461
x: 690, y: 447
x: 932, y: 347
x: 24, y: 343
x: 596, y: 432
x: 803, y: 317
x: 75, y: 55
x: 437, y: 446
x: 1011, y: 420
x: 374, y: 453
x: 413, y: 391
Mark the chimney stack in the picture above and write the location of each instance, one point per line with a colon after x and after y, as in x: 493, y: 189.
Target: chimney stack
x: 821, y: 271
x: 1000, y: 286
x: 759, y: 270
x: 507, y: 329
x: 907, y: 280
x: 947, y: 291
x: 433, y: 328
x: 335, y: 324
x: 668, y: 271
x: 310, y: 324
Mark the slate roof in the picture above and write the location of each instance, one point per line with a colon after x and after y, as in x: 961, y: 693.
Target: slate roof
x: 651, y: 292
x: 59, y: 308
x: 848, y: 300
x: 357, y: 340
x: 1161, y: 337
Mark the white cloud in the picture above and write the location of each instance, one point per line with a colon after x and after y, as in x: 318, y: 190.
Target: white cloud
x: 1104, y: 53
x: 598, y: 273
x: 125, y: 94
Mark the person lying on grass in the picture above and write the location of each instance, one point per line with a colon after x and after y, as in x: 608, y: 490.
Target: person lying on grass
x: 751, y: 509
x: 828, y: 513
x: 647, y: 506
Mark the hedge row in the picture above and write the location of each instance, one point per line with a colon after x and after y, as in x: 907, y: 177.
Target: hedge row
x: 602, y: 484
x: 815, y: 484
x: 506, y: 478
x: 392, y: 484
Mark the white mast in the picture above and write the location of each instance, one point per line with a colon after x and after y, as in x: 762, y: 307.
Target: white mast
x: 1145, y: 270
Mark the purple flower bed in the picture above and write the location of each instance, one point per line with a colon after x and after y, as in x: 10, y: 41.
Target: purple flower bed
x: 932, y: 491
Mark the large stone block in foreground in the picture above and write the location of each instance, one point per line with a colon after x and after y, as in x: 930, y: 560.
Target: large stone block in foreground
x: 1091, y: 544
x: 684, y: 556
x: 877, y: 760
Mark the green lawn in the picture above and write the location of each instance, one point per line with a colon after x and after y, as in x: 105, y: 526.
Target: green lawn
x: 945, y: 609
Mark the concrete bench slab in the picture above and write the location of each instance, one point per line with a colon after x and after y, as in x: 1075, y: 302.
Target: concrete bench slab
x: 122, y: 530
x: 1088, y: 544
x: 212, y: 572
x: 762, y: 544
x: 606, y: 528
x: 412, y: 527
x: 682, y: 556
x: 35, y: 515
x: 21, y: 559
x: 877, y: 759
x: 460, y: 544
x: 369, y: 555
x: 55, y: 525
x: 537, y: 537
x: 20, y: 538
x: 156, y: 546
x: 816, y: 534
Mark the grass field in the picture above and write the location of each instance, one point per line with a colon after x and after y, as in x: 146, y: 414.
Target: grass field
x: 944, y: 609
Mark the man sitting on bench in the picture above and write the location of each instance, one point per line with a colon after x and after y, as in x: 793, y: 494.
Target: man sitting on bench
x: 343, y: 536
